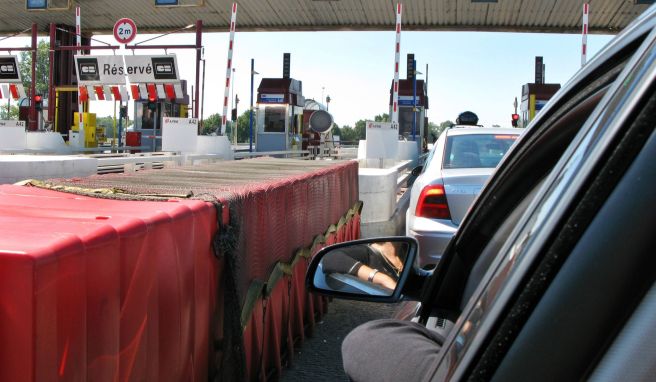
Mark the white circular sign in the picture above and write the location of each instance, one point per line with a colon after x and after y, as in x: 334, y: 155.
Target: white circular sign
x: 125, y: 30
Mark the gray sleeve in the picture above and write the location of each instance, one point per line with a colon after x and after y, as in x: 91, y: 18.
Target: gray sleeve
x: 391, y: 350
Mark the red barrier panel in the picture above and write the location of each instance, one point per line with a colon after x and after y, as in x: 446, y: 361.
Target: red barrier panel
x: 282, y: 318
x: 157, y: 295
x: 97, y: 289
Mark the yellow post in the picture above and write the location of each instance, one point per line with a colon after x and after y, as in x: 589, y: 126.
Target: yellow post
x: 56, y: 109
x: 57, y: 90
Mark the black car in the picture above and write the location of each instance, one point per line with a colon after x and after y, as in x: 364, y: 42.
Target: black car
x: 551, y: 274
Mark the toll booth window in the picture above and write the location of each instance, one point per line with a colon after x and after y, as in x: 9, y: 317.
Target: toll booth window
x: 405, y: 123
x: 274, y: 119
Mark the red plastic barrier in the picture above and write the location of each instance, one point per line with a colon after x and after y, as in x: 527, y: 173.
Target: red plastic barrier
x: 281, y: 320
x: 276, y: 220
x: 97, y: 289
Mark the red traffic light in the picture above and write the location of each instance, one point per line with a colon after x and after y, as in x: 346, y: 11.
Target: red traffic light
x: 515, y: 120
x: 38, y: 102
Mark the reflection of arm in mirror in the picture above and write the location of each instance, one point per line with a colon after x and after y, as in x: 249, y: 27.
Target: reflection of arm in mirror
x: 359, y: 261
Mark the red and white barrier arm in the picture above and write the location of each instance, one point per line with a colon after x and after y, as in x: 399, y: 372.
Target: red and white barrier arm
x: 584, y: 33
x: 78, y: 35
x: 397, y: 55
x: 233, y: 23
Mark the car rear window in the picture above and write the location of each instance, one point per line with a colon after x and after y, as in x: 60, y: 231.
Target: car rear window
x: 476, y: 150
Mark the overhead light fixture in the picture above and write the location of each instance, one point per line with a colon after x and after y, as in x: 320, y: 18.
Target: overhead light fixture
x: 484, y: 1
x: 166, y: 2
x: 36, y: 4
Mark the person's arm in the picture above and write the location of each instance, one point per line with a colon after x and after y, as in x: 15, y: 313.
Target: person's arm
x: 341, y: 263
x: 373, y: 275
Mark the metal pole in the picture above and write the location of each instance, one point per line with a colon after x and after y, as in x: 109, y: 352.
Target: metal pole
x: 414, y: 99
x: 51, y: 79
x: 33, y: 122
x: 202, y: 103
x: 120, y: 124
x: 114, y: 129
x: 199, y: 44
x: 250, y: 117
x: 232, y: 102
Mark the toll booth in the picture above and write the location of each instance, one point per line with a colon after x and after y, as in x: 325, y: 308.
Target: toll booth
x: 412, y: 92
x: 149, y: 116
x: 279, y: 114
x: 534, y: 97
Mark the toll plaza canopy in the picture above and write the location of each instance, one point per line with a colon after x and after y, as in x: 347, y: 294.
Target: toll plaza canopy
x: 556, y: 16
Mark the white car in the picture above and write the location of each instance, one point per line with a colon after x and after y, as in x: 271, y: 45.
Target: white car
x: 454, y: 173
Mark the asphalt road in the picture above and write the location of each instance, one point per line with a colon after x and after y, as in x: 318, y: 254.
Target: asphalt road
x: 319, y: 358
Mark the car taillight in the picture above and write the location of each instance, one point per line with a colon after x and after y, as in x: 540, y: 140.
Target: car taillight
x: 432, y: 203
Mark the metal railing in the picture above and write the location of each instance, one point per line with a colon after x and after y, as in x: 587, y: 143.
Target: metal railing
x: 112, y: 163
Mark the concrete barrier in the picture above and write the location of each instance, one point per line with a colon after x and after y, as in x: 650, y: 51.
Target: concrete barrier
x: 14, y: 168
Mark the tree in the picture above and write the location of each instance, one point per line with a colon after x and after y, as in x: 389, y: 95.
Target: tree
x: 11, y: 113
x: 348, y: 135
x: 382, y: 118
x: 42, y: 68
x: 243, y: 127
x: 435, y: 130
x: 360, y: 129
x: 336, y: 131
x: 211, y: 124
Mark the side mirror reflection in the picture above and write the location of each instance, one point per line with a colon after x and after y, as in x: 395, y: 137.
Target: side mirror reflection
x: 370, y: 268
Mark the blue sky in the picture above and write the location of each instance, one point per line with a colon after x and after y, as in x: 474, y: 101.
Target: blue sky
x: 478, y: 71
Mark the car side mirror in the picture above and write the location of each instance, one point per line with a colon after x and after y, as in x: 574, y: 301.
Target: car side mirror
x: 417, y: 170
x: 377, y: 269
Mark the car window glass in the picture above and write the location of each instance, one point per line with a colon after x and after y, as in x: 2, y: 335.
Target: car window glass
x: 429, y: 158
x: 513, y: 259
x: 529, y: 163
x: 476, y: 150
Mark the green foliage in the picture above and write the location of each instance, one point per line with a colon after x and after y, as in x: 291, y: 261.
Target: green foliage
x: 336, y: 130
x: 242, y: 127
x: 211, y: 124
x: 382, y: 118
x: 12, y: 113
x: 42, y: 68
x: 351, y: 135
x: 434, y: 130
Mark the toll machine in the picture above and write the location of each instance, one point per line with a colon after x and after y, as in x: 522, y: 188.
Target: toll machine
x: 279, y: 114
x: 149, y: 115
x: 535, y: 95
x: 410, y: 91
